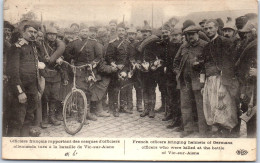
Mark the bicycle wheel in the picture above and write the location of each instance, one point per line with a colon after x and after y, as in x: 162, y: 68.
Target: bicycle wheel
x: 74, y: 111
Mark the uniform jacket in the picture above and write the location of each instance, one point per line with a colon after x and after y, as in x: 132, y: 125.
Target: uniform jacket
x: 247, y: 60
x: 181, y: 58
x: 22, y: 66
x: 53, y: 50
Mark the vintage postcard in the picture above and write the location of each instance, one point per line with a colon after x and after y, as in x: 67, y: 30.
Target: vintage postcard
x: 157, y: 80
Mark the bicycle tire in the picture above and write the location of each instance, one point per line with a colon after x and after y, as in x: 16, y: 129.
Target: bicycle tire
x: 66, y: 101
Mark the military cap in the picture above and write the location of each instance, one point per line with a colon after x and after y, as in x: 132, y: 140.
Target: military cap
x: 74, y: 24
x: 69, y: 31
x: 51, y: 30
x: 131, y: 30
x: 220, y: 22
x: 202, y: 21
x: 230, y: 25
x: 121, y: 25
x: 192, y: 29
x: 92, y: 29
x: 102, y: 32
x: 249, y: 27
x: 8, y: 25
x: 146, y: 27
x: 60, y: 32
x: 187, y: 23
x: 176, y: 31
x: 113, y: 21
x: 31, y: 24
x: 241, y: 21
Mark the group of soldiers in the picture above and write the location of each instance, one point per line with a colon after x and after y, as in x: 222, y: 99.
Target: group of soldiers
x: 206, y: 74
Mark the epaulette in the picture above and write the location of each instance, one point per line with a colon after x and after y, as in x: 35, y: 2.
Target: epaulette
x: 20, y: 43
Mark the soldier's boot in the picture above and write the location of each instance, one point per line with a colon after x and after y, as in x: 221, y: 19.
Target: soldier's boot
x: 115, y: 110
x: 91, y: 116
x: 35, y: 132
x: 139, y: 99
x: 145, y: 111
x: 152, y: 112
x: 52, y: 118
x: 176, y: 122
x: 168, y: 115
x: 25, y: 131
x: 99, y: 110
x: 162, y: 108
x: 13, y: 132
x: 59, y: 116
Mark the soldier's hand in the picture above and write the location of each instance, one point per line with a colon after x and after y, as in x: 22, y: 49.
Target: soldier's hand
x: 59, y: 61
x: 120, y: 67
x: 22, y: 98
x: 41, y: 65
x: 253, y: 72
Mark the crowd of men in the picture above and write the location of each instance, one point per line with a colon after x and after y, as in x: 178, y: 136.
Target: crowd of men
x: 206, y: 74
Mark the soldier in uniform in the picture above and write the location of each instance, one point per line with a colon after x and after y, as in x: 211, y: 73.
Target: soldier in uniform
x: 149, y: 56
x: 246, y: 67
x: 22, y: 68
x: 188, y: 79
x: 117, y: 56
x: 168, y: 52
x: 8, y: 29
x: 112, y: 30
x: 135, y: 60
x: 52, y: 48
x: 87, y: 50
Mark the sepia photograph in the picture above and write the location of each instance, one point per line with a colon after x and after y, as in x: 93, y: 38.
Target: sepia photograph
x: 133, y: 76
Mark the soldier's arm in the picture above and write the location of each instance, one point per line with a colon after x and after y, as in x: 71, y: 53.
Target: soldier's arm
x: 103, y: 67
x: 98, y: 52
x: 132, y: 53
x: 13, y: 66
x: 110, y: 53
x: 59, y: 51
x: 177, y: 60
x: 68, y: 53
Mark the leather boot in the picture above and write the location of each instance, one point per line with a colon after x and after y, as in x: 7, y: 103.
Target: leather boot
x: 167, y: 117
x: 146, y: 111
x: 176, y: 122
x: 116, y: 111
x: 52, y: 118
x: 99, y: 110
x: 91, y: 116
x: 152, y: 106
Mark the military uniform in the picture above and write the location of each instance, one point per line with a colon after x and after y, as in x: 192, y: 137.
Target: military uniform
x: 22, y: 68
x: 88, y: 51
x: 137, y: 78
x: 53, y: 75
x: 149, y: 50
x: 117, y: 53
x: 188, y: 81
x: 167, y: 80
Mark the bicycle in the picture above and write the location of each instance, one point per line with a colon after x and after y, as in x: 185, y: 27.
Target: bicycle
x: 75, y: 104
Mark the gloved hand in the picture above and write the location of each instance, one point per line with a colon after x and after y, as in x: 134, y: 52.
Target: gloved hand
x: 41, y: 65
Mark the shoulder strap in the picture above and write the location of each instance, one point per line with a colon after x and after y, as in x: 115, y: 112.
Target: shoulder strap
x: 83, y: 46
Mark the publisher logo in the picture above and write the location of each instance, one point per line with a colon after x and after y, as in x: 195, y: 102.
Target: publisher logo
x: 242, y: 152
